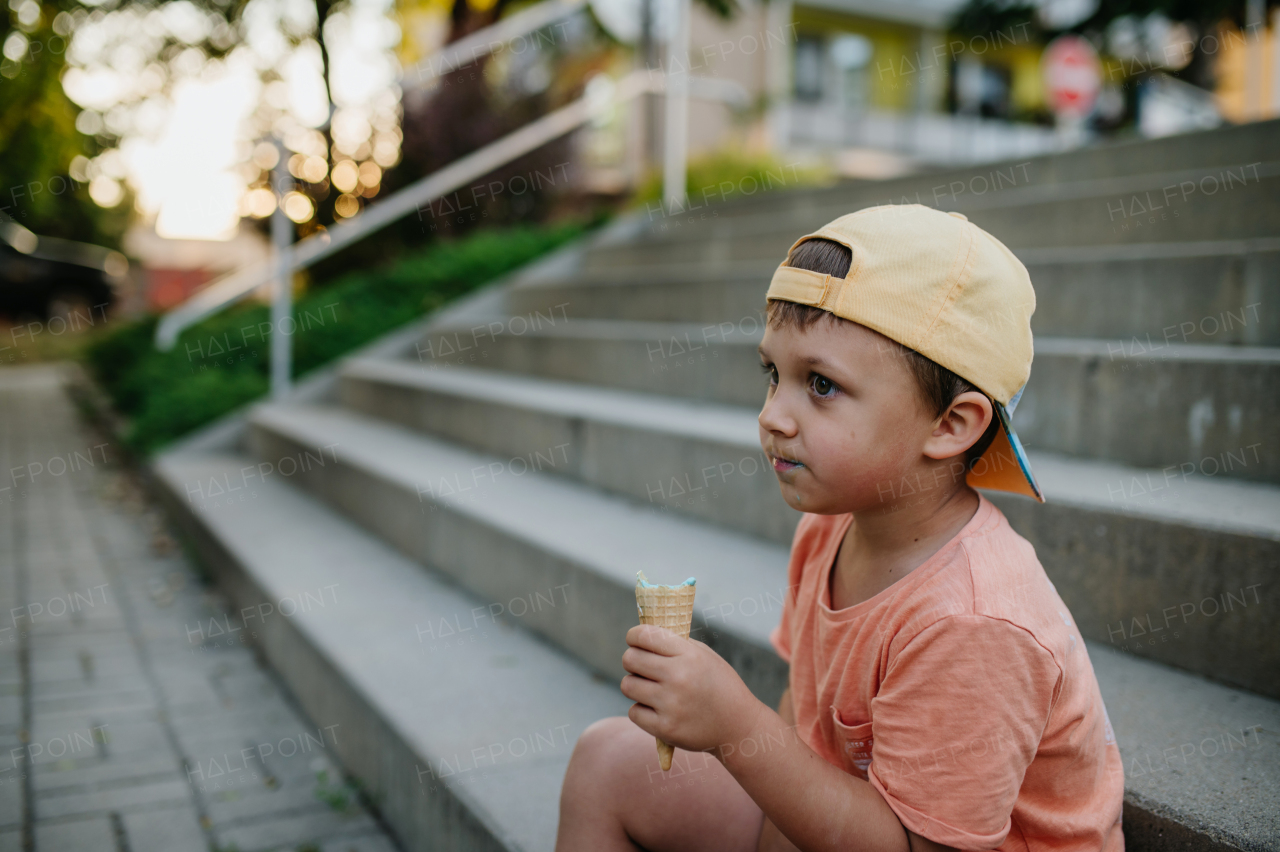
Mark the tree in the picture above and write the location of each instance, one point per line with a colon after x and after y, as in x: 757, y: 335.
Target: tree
x: 38, y: 138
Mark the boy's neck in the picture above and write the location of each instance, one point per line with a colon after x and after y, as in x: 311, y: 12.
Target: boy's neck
x: 885, y: 545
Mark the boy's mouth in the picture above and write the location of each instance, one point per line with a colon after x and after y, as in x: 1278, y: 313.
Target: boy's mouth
x: 781, y: 463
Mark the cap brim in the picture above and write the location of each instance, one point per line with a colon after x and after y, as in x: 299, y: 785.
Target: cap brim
x: 1004, y: 466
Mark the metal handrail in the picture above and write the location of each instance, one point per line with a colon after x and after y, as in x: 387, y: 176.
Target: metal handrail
x: 288, y: 257
x: 482, y: 42
x: 239, y: 283
x: 320, y: 245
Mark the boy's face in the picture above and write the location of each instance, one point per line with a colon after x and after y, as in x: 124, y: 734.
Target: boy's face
x: 843, y: 420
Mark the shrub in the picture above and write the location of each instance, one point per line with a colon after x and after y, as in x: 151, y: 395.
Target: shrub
x: 729, y: 174
x: 224, y: 362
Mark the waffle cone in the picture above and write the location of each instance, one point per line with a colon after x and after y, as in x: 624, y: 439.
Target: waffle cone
x: 669, y: 607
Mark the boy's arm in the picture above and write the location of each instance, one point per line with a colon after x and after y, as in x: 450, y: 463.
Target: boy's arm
x: 805, y: 792
x: 785, y: 710
x: 688, y: 695
x: 772, y: 840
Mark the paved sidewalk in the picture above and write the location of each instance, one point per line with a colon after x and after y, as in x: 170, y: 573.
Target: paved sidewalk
x: 130, y: 721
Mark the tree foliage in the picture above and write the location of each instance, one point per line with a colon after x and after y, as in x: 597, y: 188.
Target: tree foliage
x: 38, y: 137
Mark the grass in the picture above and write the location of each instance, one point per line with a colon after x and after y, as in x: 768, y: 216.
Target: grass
x: 223, y: 362
x: 731, y: 173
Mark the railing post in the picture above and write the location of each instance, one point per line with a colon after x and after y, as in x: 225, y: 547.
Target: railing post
x: 676, y: 147
x: 282, y: 293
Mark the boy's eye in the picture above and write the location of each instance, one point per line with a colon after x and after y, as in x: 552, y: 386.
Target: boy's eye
x: 823, y: 386
x: 770, y: 371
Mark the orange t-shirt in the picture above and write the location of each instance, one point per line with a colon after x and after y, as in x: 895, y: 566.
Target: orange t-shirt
x: 962, y: 692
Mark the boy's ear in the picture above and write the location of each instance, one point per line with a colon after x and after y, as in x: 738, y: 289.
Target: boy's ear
x: 960, y: 426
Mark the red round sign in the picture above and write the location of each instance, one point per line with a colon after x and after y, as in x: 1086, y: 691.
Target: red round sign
x: 1072, y: 75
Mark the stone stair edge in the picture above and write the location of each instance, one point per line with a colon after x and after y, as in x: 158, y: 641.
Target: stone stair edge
x: 534, y: 513
x: 832, y: 202
x: 757, y: 273
x: 1105, y: 150
x: 681, y: 418
x: 310, y: 660
x: 1147, y: 808
x: 598, y: 328
x: 1164, y: 521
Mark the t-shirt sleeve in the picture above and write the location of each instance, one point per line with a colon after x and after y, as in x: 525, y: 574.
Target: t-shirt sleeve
x: 955, y: 724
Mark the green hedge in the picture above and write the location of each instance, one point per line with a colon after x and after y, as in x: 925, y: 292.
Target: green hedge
x: 223, y: 362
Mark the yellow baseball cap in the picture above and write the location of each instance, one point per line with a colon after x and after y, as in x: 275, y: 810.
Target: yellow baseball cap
x: 940, y: 285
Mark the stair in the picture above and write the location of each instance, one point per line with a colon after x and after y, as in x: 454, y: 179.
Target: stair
x: 478, y: 491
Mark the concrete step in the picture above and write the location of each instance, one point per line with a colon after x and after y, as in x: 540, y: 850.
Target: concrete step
x: 1214, y: 409
x: 1141, y: 402
x: 1164, y: 568
x: 460, y: 740
x: 421, y: 705
x: 1202, y: 292
x: 1121, y: 543
x: 1184, y: 205
x: 1199, y: 758
x: 1224, y: 147
x: 508, y: 532
x: 673, y: 456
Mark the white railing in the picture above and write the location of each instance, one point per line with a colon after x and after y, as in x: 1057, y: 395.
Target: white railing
x: 320, y: 245
x: 484, y: 41
x: 601, y: 95
x: 286, y: 258
x: 936, y: 138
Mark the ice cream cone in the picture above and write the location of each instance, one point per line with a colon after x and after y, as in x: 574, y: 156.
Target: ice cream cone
x: 669, y: 607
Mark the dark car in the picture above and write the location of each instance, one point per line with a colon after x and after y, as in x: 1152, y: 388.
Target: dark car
x: 45, y: 277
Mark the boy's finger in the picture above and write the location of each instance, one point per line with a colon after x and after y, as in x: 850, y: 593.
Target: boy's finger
x: 646, y: 718
x: 644, y: 663
x: 655, y: 639
x: 640, y: 690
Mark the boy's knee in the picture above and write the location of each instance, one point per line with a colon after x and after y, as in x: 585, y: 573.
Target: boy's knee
x: 593, y: 767
x: 606, y: 744
x: 605, y: 736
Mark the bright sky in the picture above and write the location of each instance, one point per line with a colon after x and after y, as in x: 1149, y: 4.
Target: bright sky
x: 186, y: 147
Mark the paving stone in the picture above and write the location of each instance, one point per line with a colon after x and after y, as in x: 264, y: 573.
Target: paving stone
x: 169, y: 830
x: 101, y: 798
x: 81, y: 835
x: 364, y: 843
x: 308, y: 826
x: 108, y: 623
x: 10, y: 799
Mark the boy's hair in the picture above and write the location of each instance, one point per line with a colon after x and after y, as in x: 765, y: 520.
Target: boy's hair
x: 938, y: 386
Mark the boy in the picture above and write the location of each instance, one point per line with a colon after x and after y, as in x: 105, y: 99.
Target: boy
x: 940, y: 696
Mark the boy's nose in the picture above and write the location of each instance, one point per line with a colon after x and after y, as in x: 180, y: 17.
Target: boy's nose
x: 774, y: 417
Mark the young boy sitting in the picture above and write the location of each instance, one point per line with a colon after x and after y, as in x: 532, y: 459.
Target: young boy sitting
x: 940, y: 695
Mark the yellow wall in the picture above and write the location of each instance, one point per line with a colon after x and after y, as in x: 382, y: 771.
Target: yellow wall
x: 890, y: 44
x: 900, y: 62
x: 1232, y: 67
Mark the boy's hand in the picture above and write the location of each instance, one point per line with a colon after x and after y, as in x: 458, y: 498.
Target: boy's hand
x: 685, y: 692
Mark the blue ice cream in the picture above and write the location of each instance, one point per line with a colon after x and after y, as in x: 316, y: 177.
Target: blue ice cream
x: 645, y: 584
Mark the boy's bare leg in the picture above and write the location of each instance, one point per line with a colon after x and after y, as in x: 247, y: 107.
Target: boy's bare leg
x: 615, y: 797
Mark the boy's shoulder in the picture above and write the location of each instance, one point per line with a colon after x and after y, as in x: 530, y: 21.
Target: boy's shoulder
x: 990, y: 576
x: 986, y: 570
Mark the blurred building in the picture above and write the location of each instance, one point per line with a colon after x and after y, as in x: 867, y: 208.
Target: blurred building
x: 172, y: 270
x: 874, y: 88
x: 1249, y: 74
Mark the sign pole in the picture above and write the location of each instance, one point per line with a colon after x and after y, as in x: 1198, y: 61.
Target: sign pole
x: 282, y: 292
x: 676, y: 147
